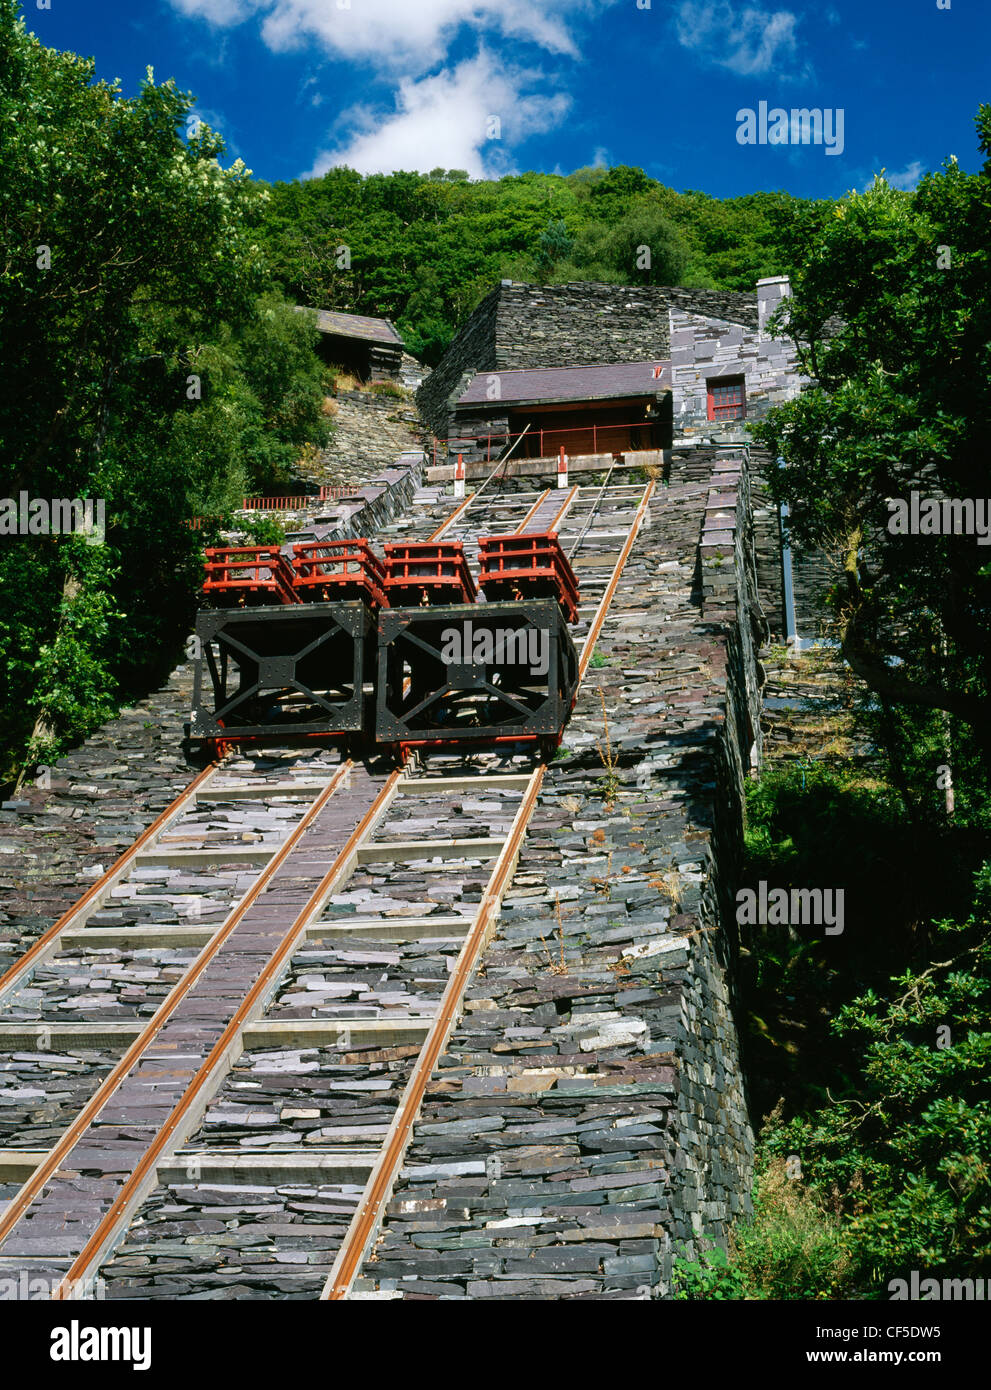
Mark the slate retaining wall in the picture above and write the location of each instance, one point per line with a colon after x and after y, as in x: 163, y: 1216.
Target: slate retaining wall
x: 589, y: 1116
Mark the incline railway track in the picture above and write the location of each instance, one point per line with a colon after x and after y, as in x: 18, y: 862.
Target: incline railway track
x: 292, y: 917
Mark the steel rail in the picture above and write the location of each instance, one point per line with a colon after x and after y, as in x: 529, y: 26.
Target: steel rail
x: 379, y: 1187
x: 378, y: 1190
x: 591, y: 637
x: 222, y: 1055
x: 564, y: 508
x: 591, y: 516
x: 532, y: 512
x: 469, y: 501
x: 463, y: 507
x: 13, y: 1213
x: 91, y: 899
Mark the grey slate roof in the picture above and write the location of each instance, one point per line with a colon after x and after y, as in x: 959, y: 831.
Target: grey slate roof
x: 530, y: 385
x: 354, y: 326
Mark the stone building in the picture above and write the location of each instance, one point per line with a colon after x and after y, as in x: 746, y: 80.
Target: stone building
x: 371, y: 349
x: 583, y: 410
x: 710, y: 349
x: 725, y: 373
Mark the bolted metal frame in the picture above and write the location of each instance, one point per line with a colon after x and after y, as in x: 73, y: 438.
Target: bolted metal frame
x: 294, y: 670
x: 423, y: 698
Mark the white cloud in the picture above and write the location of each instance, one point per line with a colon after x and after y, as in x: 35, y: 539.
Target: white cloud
x: 906, y: 179
x: 220, y: 12
x: 390, y: 33
x: 909, y: 177
x: 441, y: 110
x: 446, y: 120
x: 748, y: 41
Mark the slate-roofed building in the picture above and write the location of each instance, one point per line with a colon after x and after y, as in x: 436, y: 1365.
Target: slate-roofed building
x: 584, y: 410
x: 609, y: 368
x: 371, y: 349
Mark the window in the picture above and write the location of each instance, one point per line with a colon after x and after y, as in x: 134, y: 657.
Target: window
x: 725, y: 398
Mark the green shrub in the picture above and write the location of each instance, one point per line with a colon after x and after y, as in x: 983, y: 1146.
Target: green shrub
x: 792, y: 1247
x: 387, y: 388
x: 708, y: 1277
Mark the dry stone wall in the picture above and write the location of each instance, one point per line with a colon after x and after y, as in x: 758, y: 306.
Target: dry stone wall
x: 370, y: 431
x: 473, y: 350
x: 697, y: 462
x: 580, y: 324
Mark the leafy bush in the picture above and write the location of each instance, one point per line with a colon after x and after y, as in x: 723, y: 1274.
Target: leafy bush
x: 709, y: 1276
x: 905, y: 1146
x: 792, y: 1247
x: 263, y: 530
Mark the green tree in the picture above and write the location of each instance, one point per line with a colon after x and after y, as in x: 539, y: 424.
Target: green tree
x: 906, y: 1147
x: 138, y: 369
x: 892, y: 310
x: 553, y: 245
x: 640, y: 247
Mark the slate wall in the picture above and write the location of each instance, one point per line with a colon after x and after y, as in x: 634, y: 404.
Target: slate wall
x: 581, y: 323
x: 767, y: 543
x: 472, y: 350
x: 578, y: 324
x: 696, y: 462
x: 704, y: 348
x: 587, y: 1121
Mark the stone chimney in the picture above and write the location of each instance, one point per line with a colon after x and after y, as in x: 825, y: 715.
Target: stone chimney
x: 770, y: 293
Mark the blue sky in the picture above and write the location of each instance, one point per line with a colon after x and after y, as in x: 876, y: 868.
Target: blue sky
x: 501, y: 86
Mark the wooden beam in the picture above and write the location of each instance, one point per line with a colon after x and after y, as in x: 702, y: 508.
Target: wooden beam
x: 134, y: 937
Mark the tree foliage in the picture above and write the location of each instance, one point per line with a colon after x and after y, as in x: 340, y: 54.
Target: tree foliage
x: 145, y: 365
x: 891, y: 304
x: 423, y: 250
x: 906, y: 1148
